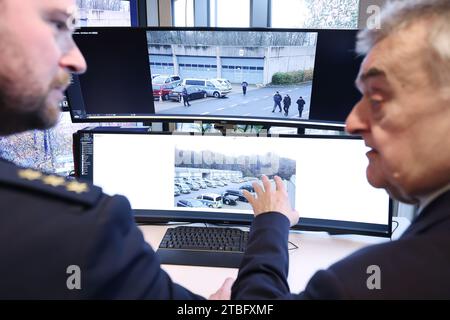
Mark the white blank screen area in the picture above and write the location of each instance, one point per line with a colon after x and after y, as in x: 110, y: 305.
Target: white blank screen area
x: 330, y: 180
x: 332, y: 183
x: 133, y: 166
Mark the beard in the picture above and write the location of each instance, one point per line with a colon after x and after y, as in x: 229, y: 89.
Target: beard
x: 26, y: 100
x: 24, y: 106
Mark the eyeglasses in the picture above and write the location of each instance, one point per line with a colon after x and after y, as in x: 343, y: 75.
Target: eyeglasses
x: 73, y: 18
x: 64, y: 37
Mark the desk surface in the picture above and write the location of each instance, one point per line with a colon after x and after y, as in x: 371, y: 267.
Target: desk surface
x: 316, y: 250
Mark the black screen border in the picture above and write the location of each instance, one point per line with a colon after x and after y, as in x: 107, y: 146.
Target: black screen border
x: 305, y: 224
x: 265, y: 121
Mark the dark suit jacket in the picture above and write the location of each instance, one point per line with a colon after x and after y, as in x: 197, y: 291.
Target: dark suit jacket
x: 47, y: 225
x: 417, y: 266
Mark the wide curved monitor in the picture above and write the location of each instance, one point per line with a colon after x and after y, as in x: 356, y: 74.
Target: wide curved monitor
x: 200, y: 178
x: 137, y: 74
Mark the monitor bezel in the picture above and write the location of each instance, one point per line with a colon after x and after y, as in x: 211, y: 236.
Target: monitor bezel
x: 265, y: 121
x: 305, y: 224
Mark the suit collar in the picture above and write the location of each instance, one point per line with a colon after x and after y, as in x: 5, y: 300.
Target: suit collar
x: 425, y: 201
x: 434, y: 213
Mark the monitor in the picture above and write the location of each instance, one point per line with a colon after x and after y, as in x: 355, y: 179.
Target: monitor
x: 200, y: 178
x: 140, y: 73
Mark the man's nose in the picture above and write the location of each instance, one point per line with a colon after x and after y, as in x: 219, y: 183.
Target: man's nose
x: 356, y: 122
x: 73, y: 61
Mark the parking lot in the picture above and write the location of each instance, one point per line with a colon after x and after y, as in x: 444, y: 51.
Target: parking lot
x: 257, y: 102
x: 290, y: 187
x: 217, y: 190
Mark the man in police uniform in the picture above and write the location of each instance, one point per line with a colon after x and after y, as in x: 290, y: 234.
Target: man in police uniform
x: 404, y: 118
x: 61, y: 239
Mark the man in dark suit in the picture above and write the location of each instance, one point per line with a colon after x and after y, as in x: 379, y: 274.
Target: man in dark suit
x: 244, y: 85
x: 404, y: 118
x: 286, y: 104
x: 61, y: 239
x: 277, y: 101
x: 300, y: 104
x: 185, y: 96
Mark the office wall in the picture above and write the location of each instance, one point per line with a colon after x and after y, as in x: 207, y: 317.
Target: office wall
x: 152, y: 13
x: 259, y: 13
x: 201, y: 13
x: 165, y: 13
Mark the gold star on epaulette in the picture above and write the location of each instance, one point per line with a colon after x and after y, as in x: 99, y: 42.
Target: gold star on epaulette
x: 53, y: 181
x: 77, y: 187
x: 29, y: 174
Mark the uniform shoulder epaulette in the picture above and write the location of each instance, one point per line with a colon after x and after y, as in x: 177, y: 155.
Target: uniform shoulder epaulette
x: 55, y: 186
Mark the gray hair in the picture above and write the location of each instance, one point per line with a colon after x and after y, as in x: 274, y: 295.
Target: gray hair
x: 398, y: 15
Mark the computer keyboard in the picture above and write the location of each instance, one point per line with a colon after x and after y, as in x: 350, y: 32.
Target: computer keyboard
x: 203, y: 246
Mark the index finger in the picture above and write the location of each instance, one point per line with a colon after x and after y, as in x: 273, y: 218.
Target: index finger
x: 250, y: 198
x: 279, y: 184
x: 266, y: 184
x: 258, y: 189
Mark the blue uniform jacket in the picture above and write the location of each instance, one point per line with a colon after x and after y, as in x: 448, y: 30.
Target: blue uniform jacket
x: 49, y: 224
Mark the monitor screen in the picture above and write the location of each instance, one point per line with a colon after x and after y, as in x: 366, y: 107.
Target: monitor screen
x: 179, y: 177
x: 287, y: 76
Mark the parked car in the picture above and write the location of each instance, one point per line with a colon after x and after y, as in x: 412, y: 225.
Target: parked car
x: 229, y: 199
x: 176, y: 191
x: 237, y: 193
x: 225, y: 82
x: 183, y: 188
x: 201, y: 183
x: 191, y: 203
x: 174, y: 80
x: 193, y: 93
x: 210, y: 183
x: 219, y: 183
x: 162, y: 91
x: 212, y: 200
x: 213, y: 88
x: 247, y: 187
x: 193, y: 185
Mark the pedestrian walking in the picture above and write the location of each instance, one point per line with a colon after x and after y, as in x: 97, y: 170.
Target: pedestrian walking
x: 277, y: 101
x: 244, y: 85
x: 185, y: 97
x: 286, y: 104
x: 300, y: 103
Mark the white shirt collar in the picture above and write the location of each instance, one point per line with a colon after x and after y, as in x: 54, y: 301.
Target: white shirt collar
x: 426, y: 200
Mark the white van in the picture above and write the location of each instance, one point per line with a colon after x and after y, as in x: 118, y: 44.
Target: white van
x: 212, y: 87
x: 212, y: 200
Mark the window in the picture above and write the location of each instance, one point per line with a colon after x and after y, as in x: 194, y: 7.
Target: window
x: 183, y: 13
x: 321, y: 14
x: 95, y: 13
x: 47, y: 150
x: 229, y: 13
